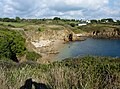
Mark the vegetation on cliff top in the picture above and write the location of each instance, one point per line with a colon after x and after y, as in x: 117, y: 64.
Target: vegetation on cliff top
x: 71, y: 24
x: 99, y: 27
x: 12, y: 46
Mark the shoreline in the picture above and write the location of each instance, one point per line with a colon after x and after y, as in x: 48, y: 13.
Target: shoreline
x: 48, y: 49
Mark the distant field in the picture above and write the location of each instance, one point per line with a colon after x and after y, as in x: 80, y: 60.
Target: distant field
x: 60, y: 25
x: 94, y: 27
x: 14, y: 24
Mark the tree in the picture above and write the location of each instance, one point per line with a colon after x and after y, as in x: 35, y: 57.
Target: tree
x: 103, y: 20
x: 56, y: 18
x: 110, y: 20
x: 6, y: 19
x: 1, y: 19
x: 118, y: 22
x: 93, y: 21
x: 72, y: 24
x: 17, y: 19
x: 73, y: 20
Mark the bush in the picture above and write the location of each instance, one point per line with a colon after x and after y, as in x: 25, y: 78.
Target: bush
x: 32, y: 56
x: 2, y: 24
x: 72, y: 24
x: 40, y: 29
x: 73, y: 73
x: 56, y: 18
x: 12, y: 44
x: 11, y: 25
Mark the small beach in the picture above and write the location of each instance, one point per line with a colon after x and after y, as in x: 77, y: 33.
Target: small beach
x: 48, y: 48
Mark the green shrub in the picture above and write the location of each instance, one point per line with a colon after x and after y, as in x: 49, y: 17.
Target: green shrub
x: 73, y: 73
x: 56, y: 18
x: 32, y: 56
x: 40, y: 29
x: 2, y: 24
x: 12, y: 44
x: 72, y: 24
x: 11, y: 25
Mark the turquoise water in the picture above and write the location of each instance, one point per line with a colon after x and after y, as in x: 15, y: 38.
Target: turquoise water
x: 94, y: 47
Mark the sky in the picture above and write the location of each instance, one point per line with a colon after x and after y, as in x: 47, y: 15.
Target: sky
x: 68, y: 9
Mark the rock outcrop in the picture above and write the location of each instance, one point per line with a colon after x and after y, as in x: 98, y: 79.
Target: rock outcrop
x: 105, y: 33
x: 66, y: 35
x: 54, y: 32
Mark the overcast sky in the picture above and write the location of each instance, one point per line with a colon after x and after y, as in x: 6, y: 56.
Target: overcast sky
x: 73, y: 9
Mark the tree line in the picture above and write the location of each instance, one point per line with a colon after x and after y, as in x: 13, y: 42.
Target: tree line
x: 18, y: 19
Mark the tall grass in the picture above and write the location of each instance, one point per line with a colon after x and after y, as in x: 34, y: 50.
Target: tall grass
x: 79, y: 73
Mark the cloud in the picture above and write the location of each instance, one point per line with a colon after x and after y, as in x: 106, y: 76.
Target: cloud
x: 117, y: 3
x: 62, y: 8
x: 63, y: 5
x: 20, y: 7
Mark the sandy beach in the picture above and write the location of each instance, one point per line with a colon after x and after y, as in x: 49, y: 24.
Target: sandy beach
x: 48, y: 49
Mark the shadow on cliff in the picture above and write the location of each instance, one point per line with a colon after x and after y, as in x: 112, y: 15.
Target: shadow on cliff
x: 29, y: 83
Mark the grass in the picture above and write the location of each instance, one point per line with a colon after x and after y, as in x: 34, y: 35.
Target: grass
x: 94, y: 27
x: 80, y: 73
x: 77, y: 30
x: 14, y: 24
x: 40, y: 29
x: 57, y: 28
x: 33, y: 56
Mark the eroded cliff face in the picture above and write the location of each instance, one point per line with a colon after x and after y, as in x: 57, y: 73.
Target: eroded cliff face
x: 66, y: 35
x: 51, y: 34
x: 105, y: 33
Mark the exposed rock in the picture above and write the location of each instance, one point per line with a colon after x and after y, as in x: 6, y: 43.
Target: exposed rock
x: 54, y: 32
x: 55, y: 35
x: 106, y: 33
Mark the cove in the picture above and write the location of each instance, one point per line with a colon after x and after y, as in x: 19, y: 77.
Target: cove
x: 91, y: 46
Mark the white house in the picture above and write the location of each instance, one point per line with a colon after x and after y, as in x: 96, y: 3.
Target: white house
x: 82, y: 24
x: 88, y: 21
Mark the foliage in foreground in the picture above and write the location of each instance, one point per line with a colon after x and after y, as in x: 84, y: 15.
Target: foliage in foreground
x: 12, y: 44
x: 79, y: 73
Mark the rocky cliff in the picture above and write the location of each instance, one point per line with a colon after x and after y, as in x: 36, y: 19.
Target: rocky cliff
x: 105, y: 33
x: 47, y: 34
